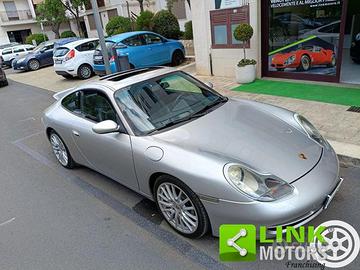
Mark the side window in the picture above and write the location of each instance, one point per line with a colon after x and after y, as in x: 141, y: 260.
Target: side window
x: 88, y: 46
x: 49, y: 47
x: 152, y: 39
x: 72, y: 102
x: 133, y: 41
x: 17, y: 50
x: 30, y: 49
x: 97, y: 107
x: 5, y: 52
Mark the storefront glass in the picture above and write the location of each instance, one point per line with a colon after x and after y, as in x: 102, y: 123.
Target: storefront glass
x: 304, y: 36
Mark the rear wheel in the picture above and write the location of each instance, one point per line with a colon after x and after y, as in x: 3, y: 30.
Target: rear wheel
x: 333, y: 61
x: 34, y: 64
x: 60, y: 150
x: 177, y: 58
x: 85, y: 72
x: 180, y: 207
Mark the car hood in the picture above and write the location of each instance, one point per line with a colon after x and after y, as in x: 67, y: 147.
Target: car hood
x: 283, y: 56
x: 242, y: 132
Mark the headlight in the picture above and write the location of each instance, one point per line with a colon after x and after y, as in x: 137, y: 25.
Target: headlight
x: 310, y: 130
x: 259, y: 187
x: 290, y: 60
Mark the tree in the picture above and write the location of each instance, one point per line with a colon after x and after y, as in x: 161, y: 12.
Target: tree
x: 74, y: 7
x: 52, y: 13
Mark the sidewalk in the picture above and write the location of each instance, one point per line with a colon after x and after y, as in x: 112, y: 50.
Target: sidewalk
x: 340, y: 127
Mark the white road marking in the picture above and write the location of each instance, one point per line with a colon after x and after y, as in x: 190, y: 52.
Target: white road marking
x: 7, y: 222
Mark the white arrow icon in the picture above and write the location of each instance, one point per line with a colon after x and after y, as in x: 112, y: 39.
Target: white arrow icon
x: 231, y: 242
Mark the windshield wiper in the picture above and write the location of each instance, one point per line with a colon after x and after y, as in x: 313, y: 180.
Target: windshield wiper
x: 198, y: 114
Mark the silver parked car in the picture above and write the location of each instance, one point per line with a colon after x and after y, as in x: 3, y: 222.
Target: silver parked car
x: 205, y: 159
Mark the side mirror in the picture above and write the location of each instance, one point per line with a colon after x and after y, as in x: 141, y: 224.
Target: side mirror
x: 209, y: 84
x: 106, y: 127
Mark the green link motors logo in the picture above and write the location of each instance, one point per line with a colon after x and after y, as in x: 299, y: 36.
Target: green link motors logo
x: 332, y: 244
x: 237, y: 242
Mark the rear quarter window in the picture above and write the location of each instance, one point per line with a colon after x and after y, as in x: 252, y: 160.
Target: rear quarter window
x: 72, y: 102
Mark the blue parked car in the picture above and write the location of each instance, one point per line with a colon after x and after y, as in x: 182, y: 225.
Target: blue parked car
x: 143, y: 49
x: 41, y: 56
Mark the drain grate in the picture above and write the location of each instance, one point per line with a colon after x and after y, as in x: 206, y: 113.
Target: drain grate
x: 354, y: 109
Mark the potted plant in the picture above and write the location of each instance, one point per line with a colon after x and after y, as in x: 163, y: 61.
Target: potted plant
x: 245, y: 70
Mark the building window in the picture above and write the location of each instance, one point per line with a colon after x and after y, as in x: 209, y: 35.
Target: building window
x: 179, y: 9
x: 112, y: 13
x: 223, y: 23
x: 91, y: 21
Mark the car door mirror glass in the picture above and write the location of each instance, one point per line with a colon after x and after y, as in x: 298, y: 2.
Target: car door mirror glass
x: 104, y: 127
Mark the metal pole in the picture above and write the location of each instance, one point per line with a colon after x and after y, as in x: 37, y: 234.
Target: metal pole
x: 100, y: 32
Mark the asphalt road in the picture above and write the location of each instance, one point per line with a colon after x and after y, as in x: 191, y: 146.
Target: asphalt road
x: 53, y: 218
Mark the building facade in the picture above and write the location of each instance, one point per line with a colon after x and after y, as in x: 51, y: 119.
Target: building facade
x: 18, y: 20
x: 304, y: 40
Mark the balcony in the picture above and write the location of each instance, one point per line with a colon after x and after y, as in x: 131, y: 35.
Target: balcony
x: 16, y: 16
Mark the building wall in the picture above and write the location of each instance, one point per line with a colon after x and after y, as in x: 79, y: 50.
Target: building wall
x: 223, y: 60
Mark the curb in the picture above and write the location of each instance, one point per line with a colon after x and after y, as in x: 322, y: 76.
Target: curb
x: 348, y: 154
x: 346, y: 161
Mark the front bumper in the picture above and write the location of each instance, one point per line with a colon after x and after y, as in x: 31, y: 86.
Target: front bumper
x: 20, y: 66
x: 312, y: 194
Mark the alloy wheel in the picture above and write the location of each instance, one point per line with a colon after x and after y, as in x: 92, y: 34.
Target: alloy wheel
x: 34, y: 64
x: 177, y: 208
x: 59, y: 149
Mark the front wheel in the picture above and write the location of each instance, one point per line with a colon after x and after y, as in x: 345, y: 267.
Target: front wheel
x: 34, y: 64
x: 60, y: 150
x: 177, y: 58
x: 305, y: 63
x: 180, y: 207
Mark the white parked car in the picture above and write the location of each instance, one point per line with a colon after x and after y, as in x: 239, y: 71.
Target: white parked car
x: 9, y: 54
x: 75, y: 58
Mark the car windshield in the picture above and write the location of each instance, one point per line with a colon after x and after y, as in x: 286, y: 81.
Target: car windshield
x: 165, y: 101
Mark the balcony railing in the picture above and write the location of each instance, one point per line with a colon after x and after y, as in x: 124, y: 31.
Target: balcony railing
x: 16, y: 15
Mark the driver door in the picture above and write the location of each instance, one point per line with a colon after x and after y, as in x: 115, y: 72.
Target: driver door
x: 109, y: 154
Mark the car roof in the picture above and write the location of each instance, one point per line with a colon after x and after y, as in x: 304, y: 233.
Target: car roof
x: 122, y: 36
x: 78, y: 42
x: 126, y: 78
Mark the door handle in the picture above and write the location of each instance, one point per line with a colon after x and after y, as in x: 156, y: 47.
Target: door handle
x: 76, y: 133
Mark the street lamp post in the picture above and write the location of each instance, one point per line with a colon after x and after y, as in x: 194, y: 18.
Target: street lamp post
x: 100, y: 32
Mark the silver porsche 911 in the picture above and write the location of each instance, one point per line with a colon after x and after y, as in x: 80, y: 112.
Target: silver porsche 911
x: 205, y: 159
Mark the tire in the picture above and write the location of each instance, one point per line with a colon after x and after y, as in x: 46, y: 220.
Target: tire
x: 177, y: 58
x: 280, y: 69
x: 188, y: 219
x: 85, y: 72
x: 333, y: 62
x: 61, y: 151
x: 305, y: 63
x: 33, y: 64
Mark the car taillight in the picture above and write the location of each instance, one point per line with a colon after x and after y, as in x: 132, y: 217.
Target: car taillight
x: 70, y: 55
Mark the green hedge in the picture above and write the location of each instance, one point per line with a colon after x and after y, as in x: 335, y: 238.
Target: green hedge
x: 67, y: 34
x: 188, y: 30
x: 118, y: 25
x: 166, y: 24
x: 38, y: 37
x: 143, y: 21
